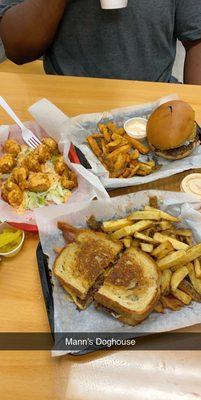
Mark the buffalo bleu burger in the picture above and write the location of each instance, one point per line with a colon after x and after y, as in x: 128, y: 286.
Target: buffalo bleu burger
x: 172, y: 132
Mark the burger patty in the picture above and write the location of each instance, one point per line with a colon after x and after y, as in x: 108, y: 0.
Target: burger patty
x: 178, y: 151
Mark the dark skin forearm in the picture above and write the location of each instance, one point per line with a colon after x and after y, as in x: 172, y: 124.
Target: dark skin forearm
x: 28, y: 28
x: 192, y: 66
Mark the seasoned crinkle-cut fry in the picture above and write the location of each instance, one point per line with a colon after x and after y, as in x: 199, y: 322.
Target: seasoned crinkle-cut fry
x: 165, y: 281
x: 94, y: 145
x: 120, y: 161
x: 130, y: 230
x: 110, y: 226
x: 192, y: 253
x: 176, y: 258
x: 147, y: 247
x: 197, y: 267
x: 137, y: 215
x: 138, y: 145
x: 164, y: 215
x: 116, y: 152
x: 182, y: 296
x: 195, y: 282
x: 177, y: 277
x: 115, y: 143
x: 188, y: 288
x: 171, y: 302
x: 141, y: 236
x: 176, y: 243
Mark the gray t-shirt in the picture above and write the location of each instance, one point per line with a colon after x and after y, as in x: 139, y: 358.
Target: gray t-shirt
x: 138, y: 42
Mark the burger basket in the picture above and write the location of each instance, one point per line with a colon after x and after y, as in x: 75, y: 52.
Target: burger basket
x: 63, y: 316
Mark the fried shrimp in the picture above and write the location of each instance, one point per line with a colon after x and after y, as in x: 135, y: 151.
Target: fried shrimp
x: 51, y: 144
x: 32, y: 162
x: 19, y: 176
x: 16, y: 197
x: 12, y: 147
x: 69, y: 180
x: 7, y: 163
x: 38, y: 182
x: 60, y: 166
x: 43, y: 153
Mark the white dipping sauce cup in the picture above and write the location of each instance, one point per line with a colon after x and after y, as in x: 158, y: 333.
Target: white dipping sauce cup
x: 113, y: 4
x: 136, y: 127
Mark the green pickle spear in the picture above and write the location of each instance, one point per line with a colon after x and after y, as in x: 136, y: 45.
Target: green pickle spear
x: 9, y: 240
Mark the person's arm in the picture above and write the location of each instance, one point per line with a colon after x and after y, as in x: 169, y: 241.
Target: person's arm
x: 192, y: 66
x: 28, y: 29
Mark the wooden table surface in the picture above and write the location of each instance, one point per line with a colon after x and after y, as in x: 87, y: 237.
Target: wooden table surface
x: 109, y: 375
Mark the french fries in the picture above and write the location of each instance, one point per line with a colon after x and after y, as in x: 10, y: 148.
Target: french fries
x: 177, y: 277
x: 188, y: 288
x: 159, y: 307
x: 197, y: 267
x: 162, y: 250
x: 127, y: 242
x: 119, y: 153
x: 193, y: 253
x: 176, y: 258
x: 137, y: 215
x: 163, y: 214
x: 110, y: 226
x: 165, y: 281
x: 158, y: 237
x: 182, y: 296
x: 147, y: 247
x: 145, y: 238
x: 171, y: 302
x: 130, y: 230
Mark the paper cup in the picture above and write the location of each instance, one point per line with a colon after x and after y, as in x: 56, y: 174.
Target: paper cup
x: 113, y: 4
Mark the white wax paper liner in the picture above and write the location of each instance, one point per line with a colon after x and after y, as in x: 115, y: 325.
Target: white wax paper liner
x: 67, y: 317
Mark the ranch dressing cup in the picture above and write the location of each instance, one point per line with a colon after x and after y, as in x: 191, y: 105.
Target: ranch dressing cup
x: 192, y: 184
x: 113, y: 4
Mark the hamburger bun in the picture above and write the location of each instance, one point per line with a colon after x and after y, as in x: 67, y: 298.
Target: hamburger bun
x: 172, y: 131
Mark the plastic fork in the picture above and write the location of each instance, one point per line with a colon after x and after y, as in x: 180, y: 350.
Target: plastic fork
x: 27, y: 135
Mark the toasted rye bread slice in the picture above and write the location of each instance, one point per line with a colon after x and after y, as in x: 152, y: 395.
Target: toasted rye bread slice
x: 132, y: 287
x: 80, y: 264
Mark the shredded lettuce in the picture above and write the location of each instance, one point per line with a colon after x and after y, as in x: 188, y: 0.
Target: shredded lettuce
x: 33, y: 200
x: 55, y: 194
